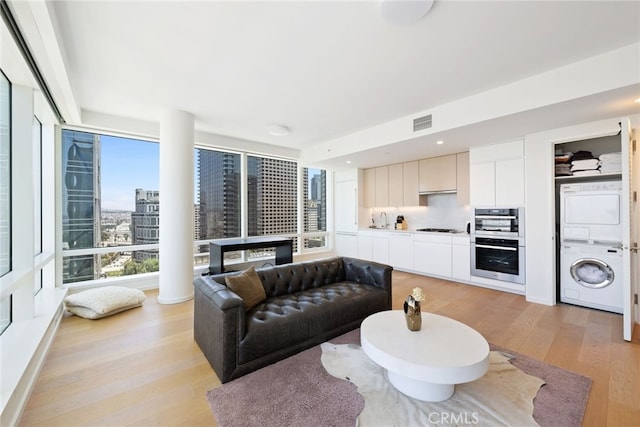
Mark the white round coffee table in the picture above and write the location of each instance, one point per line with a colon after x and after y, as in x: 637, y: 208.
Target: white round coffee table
x: 425, y: 364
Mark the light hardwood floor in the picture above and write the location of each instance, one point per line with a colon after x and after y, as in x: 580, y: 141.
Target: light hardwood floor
x: 142, y: 367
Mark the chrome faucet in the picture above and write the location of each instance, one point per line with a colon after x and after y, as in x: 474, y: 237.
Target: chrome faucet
x: 384, y: 214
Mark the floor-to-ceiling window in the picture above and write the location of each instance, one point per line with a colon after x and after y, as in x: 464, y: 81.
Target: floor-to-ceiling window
x: 5, y: 195
x: 272, y: 198
x: 315, y: 208
x: 37, y: 198
x: 110, y: 206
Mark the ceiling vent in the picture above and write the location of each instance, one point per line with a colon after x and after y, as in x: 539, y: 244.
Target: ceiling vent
x: 422, y: 123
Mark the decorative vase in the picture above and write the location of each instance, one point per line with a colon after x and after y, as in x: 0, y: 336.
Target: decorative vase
x: 412, y: 314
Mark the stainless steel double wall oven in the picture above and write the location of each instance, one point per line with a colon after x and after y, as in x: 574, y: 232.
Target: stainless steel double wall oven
x: 497, y: 244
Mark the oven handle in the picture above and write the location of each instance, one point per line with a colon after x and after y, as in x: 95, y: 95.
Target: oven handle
x: 502, y: 248
x: 496, y: 217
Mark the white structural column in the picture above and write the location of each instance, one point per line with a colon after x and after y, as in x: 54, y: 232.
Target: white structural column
x: 176, y: 207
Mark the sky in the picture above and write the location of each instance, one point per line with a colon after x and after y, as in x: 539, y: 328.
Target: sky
x: 127, y: 164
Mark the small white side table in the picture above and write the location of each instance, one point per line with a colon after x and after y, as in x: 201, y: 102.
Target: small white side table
x: 425, y: 364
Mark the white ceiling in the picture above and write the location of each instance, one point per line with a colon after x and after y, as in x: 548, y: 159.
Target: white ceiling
x: 325, y: 69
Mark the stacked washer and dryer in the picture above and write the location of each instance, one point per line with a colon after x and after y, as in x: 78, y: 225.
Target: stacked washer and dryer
x: 591, y: 245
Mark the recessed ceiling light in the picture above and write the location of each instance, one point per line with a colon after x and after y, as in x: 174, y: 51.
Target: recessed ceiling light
x: 401, y: 12
x: 637, y: 100
x: 278, y: 130
x: 440, y: 142
x: 348, y: 162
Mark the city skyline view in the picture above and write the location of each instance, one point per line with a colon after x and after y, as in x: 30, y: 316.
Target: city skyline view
x: 128, y: 164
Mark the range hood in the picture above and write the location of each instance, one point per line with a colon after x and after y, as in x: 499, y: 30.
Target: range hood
x: 428, y: 193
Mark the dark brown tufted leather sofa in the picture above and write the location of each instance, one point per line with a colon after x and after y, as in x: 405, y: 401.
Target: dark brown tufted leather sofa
x: 307, y: 304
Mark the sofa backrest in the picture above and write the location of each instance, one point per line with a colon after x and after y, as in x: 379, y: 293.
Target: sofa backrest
x: 290, y: 278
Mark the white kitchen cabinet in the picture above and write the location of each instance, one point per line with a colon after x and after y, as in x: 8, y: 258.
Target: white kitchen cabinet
x: 510, y: 182
x: 496, y: 174
x: 401, y: 250
x: 395, y: 185
x: 482, y: 184
x: 346, y: 244
x: 346, y: 206
x: 380, y: 248
x: 438, y: 173
x: 410, y: 183
x: 460, y: 258
x: 432, y: 254
x: 365, y: 246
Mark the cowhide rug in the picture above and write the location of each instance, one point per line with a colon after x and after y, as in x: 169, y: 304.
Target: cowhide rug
x: 503, y: 396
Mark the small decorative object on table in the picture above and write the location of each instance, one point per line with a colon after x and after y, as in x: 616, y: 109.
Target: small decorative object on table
x: 412, y: 309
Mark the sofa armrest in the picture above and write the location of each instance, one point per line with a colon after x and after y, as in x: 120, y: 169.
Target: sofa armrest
x: 218, y: 324
x: 370, y: 273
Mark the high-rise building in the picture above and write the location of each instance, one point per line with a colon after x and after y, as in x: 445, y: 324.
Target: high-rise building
x: 145, y: 222
x: 80, y: 203
x: 218, y: 194
x: 196, y: 221
x: 273, y: 193
x: 315, y: 215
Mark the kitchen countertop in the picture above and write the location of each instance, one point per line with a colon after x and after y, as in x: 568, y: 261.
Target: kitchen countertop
x: 412, y: 230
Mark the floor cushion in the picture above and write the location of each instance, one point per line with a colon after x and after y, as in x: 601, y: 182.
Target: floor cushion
x: 101, y: 302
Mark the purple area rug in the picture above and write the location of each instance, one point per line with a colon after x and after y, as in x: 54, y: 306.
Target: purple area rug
x: 562, y: 400
x: 298, y: 391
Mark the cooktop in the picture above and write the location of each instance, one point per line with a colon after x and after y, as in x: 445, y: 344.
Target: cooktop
x: 438, y: 230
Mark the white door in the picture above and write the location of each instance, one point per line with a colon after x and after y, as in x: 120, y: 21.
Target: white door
x: 629, y: 218
x: 635, y: 231
x: 346, y: 206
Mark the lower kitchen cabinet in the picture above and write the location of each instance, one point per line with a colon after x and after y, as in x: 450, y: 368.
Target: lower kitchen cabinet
x: 381, y: 249
x: 401, y: 250
x: 365, y: 247
x: 432, y: 255
x: 461, y: 258
x: 346, y: 244
x: 373, y: 246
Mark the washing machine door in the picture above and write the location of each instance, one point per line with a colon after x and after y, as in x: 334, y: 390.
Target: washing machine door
x: 592, y: 273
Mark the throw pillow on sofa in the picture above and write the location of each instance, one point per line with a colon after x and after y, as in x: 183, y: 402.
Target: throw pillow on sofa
x: 248, y: 286
x: 102, y: 302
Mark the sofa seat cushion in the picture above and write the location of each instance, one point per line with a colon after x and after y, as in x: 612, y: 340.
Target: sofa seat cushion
x: 280, y: 322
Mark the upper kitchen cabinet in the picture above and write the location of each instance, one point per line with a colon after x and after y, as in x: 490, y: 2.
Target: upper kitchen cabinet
x: 393, y: 185
x: 369, y: 178
x: 376, y: 187
x: 396, y: 182
x: 462, y: 178
x: 438, y: 174
x: 382, y: 186
x: 496, y: 174
x: 411, y: 183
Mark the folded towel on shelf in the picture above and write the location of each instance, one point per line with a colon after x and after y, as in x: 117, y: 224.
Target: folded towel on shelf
x: 563, y: 169
x: 586, y: 173
x: 563, y: 158
x: 585, y: 164
x: 582, y: 155
x: 611, y: 168
x: 611, y: 157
